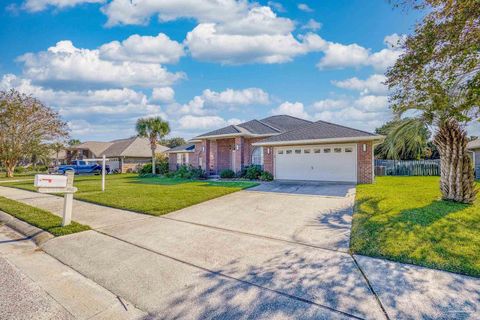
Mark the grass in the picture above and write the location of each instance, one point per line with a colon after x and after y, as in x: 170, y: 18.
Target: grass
x: 39, y: 218
x: 403, y: 219
x: 152, y: 195
x: 18, y: 176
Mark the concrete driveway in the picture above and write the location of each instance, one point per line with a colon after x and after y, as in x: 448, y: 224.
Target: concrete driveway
x: 274, y: 251
x: 277, y: 251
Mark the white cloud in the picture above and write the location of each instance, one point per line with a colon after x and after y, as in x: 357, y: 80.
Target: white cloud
x: 366, y: 112
x: 277, y: 6
x: 340, y: 56
x: 313, y: 25
x: 295, y: 109
x: 165, y: 94
x: 394, y: 40
x: 205, y: 43
x: 39, y: 5
x: 304, y: 7
x: 330, y: 104
x: 66, y: 64
x: 139, y: 12
x: 210, y: 101
x: 136, y: 48
x: 373, y: 84
x: 190, y: 122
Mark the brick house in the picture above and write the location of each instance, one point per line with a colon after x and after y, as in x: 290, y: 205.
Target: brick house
x: 290, y: 148
x: 126, y: 155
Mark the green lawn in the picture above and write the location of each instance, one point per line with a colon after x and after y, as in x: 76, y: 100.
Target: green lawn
x: 39, y: 218
x: 155, y: 196
x: 402, y: 219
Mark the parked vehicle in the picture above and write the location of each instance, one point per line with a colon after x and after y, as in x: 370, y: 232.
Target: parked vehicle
x: 82, y: 167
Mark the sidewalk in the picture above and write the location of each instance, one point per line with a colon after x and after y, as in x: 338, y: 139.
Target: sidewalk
x: 35, y: 285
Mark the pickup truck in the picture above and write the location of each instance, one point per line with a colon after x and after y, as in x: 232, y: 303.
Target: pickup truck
x: 80, y: 166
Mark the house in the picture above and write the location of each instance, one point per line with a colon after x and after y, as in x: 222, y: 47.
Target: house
x: 126, y: 155
x: 181, y: 155
x: 290, y: 148
x: 474, y: 147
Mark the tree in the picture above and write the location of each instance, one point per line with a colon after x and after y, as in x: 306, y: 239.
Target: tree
x: 438, y: 78
x: 155, y: 129
x: 404, y: 140
x: 175, y: 142
x: 25, y: 125
x: 73, y: 142
x: 57, y: 147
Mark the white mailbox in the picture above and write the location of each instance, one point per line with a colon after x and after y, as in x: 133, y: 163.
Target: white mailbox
x: 50, y: 181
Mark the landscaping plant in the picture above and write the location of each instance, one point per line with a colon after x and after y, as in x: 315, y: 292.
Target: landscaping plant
x: 266, y: 176
x: 438, y: 78
x: 155, y: 129
x: 253, y: 172
x: 227, y: 174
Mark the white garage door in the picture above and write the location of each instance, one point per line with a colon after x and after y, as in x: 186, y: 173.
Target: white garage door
x: 317, y: 163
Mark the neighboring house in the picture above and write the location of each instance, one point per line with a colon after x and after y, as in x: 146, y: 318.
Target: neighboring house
x: 58, y: 158
x: 474, y: 146
x: 290, y: 148
x: 126, y: 155
x: 181, y: 155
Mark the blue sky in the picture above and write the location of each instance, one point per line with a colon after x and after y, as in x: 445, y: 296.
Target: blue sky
x: 201, y: 64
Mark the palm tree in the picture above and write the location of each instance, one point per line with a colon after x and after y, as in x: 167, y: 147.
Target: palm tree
x: 57, y: 147
x: 155, y: 129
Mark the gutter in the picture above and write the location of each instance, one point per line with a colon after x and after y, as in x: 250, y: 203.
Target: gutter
x: 377, y: 138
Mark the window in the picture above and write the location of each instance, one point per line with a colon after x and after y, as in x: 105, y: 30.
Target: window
x: 316, y: 150
x: 257, y: 156
x: 349, y: 150
x: 182, y: 159
x: 289, y: 152
x: 82, y: 163
x: 337, y: 150
x: 327, y: 150
x: 280, y: 151
x: 306, y: 151
x: 298, y: 151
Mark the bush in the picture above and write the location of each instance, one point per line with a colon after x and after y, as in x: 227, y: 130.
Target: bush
x: 227, y: 174
x: 266, y: 176
x: 189, y: 172
x: 160, y: 168
x: 19, y: 170
x: 253, y: 172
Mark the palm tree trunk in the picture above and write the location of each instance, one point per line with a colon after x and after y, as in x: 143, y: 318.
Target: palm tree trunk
x: 10, y: 168
x: 153, y: 161
x: 457, y: 181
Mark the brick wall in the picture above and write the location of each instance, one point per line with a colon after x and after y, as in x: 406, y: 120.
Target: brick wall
x: 365, y: 162
x: 204, y: 154
x: 239, y: 153
x: 224, y: 154
x: 172, y: 161
x: 268, y: 159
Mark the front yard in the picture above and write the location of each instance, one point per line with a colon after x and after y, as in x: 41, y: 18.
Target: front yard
x: 402, y: 219
x: 155, y: 196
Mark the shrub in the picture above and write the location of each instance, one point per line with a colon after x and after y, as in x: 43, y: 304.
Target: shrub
x: 19, y: 170
x: 189, y: 172
x: 266, y: 176
x: 227, y: 174
x: 160, y: 168
x: 253, y: 172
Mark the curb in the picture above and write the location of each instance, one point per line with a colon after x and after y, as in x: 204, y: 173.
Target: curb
x: 38, y: 236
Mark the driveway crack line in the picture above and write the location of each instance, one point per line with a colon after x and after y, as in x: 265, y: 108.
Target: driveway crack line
x: 218, y: 273
x: 377, y: 298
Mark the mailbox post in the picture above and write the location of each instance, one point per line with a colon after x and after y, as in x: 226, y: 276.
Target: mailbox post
x: 59, y: 184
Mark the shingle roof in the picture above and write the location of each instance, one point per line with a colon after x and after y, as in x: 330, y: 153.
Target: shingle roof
x: 318, y: 130
x: 221, y: 131
x: 475, y: 144
x: 271, y: 125
x: 184, y: 148
x: 257, y: 127
x: 131, y: 147
x: 285, y: 123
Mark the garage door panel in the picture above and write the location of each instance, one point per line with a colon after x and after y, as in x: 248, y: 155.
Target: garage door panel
x: 311, y: 165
